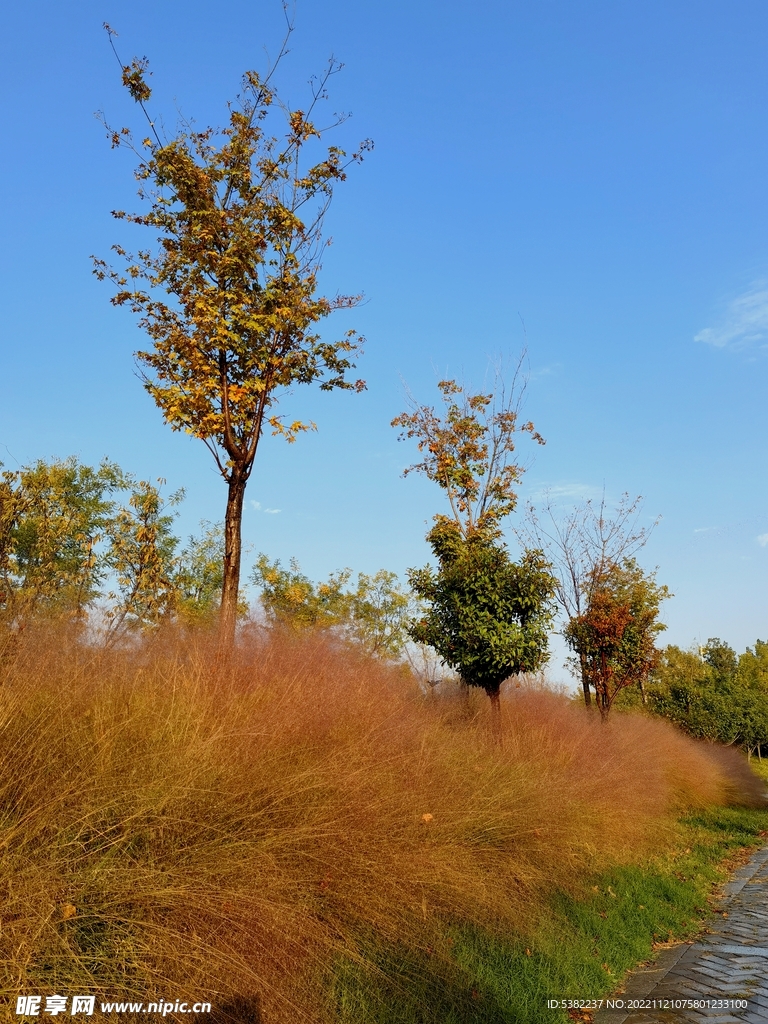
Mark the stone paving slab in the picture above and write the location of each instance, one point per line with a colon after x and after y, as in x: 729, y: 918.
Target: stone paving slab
x: 690, y: 982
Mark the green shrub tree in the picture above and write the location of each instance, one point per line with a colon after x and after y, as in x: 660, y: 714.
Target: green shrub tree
x: 713, y: 694
x: 486, y: 616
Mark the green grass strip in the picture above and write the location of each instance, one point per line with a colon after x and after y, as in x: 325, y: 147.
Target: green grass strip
x: 582, y: 952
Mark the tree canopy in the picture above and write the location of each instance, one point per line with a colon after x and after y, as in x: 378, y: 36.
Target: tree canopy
x: 486, y: 616
x: 469, y: 451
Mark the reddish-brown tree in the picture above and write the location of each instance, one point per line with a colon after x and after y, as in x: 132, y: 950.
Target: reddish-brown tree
x: 615, y: 637
x: 582, y: 544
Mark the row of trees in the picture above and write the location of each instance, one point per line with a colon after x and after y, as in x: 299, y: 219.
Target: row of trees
x: 229, y: 299
x: 73, y: 537
x: 712, y: 693
x: 97, y: 545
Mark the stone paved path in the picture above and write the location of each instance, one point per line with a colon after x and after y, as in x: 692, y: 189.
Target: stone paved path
x: 731, y: 963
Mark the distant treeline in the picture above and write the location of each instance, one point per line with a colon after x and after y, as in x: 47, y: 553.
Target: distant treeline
x: 74, y: 539
x: 98, y: 545
x: 712, y: 693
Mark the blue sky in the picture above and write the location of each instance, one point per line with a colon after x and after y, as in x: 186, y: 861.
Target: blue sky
x: 596, y: 170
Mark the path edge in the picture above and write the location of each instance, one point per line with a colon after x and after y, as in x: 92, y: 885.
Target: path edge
x: 643, y: 979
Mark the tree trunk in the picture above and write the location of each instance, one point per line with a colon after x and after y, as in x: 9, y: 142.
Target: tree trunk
x: 464, y: 691
x: 585, y: 681
x: 496, y: 718
x: 232, y: 551
x: 602, y: 701
x: 601, y: 688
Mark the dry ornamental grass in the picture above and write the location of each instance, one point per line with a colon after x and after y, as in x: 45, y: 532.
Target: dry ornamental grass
x: 167, y: 831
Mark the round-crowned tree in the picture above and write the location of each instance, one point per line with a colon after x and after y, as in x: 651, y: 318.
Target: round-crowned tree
x: 486, y: 616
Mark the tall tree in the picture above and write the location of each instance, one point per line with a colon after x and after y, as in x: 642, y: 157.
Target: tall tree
x: 582, y: 544
x: 239, y: 213
x: 487, y: 617
x: 615, y: 637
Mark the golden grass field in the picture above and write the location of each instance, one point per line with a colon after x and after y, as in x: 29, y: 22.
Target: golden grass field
x: 169, y: 829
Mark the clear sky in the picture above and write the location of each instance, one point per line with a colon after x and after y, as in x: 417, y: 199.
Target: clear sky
x: 597, y: 170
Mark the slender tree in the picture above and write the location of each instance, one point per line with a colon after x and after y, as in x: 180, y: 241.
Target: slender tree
x: 141, y: 557
x: 230, y: 297
x: 199, y: 576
